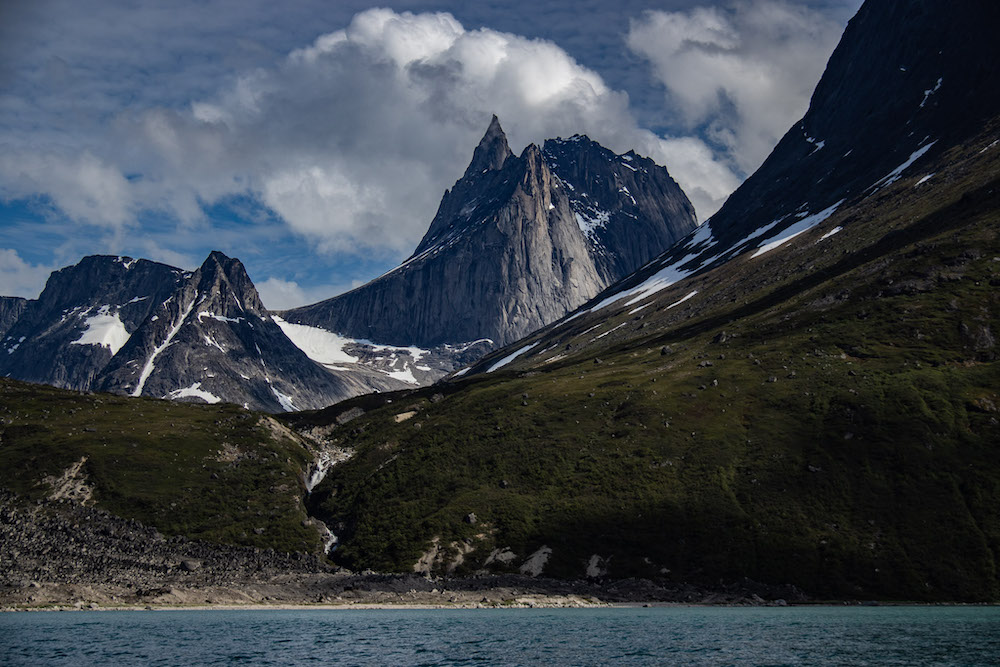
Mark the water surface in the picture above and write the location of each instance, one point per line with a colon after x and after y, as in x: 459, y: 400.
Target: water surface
x: 631, y: 636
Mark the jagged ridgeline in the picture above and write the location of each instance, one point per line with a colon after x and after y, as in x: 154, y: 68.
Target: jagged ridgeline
x: 803, y: 391
x: 142, y: 328
x: 517, y: 243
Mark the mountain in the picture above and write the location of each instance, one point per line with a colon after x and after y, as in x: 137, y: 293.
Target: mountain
x: 147, y: 329
x: 516, y: 243
x: 802, y: 391
x: 213, y: 339
x: 884, y: 104
x: 83, y: 317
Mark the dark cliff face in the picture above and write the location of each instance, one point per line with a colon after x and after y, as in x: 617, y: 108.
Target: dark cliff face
x: 908, y: 81
x: 83, y: 316
x: 511, y: 247
x: 11, y: 308
x: 628, y: 206
x: 906, y: 76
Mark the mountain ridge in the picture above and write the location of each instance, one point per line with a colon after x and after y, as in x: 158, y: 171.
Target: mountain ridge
x: 511, y: 241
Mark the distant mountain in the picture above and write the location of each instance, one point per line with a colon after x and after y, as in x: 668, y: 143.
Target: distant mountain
x: 515, y: 244
x: 85, y: 314
x: 803, y: 391
x: 212, y: 339
x: 147, y: 329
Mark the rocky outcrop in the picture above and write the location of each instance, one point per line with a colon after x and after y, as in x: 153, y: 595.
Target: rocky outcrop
x: 11, y: 308
x: 516, y: 243
x: 627, y: 205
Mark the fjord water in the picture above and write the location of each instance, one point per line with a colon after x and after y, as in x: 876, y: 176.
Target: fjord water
x: 621, y: 636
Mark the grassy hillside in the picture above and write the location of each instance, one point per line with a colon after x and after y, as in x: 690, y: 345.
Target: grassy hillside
x: 218, y: 473
x: 825, y: 415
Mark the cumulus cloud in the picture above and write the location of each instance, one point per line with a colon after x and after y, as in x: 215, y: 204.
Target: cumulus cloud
x: 21, y: 278
x: 743, y: 74
x: 352, y: 139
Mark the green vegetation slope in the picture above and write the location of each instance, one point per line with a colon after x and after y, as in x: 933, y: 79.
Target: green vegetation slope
x: 824, y: 415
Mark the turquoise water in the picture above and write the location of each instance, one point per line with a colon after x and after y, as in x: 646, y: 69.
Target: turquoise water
x: 643, y: 636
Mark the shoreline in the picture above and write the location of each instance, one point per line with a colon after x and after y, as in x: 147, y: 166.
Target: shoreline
x: 527, y: 602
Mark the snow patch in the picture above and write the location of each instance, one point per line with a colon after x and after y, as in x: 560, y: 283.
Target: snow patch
x: 830, y: 233
x: 211, y: 342
x: 404, y: 375
x: 511, y: 357
x: 896, y: 173
x: 320, y: 345
x: 103, y: 329
x: 220, y: 318
x: 194, y: 391
x: 928, y: 93
x: 799, y: 227
x: 147, y: 370
x: 682, y: 299
x: 461, y: 373
x: 924, y: 180
x: 701, y: 239
x: 284, y: 399
x: 818, y: 144
x: 590, y: 223
x: 610, y: 330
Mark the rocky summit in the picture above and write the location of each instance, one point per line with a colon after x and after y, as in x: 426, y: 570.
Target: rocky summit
x: 143, y: 328
x: 516, y: 243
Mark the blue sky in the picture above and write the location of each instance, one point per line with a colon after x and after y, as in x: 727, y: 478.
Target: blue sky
x: 313, y: 139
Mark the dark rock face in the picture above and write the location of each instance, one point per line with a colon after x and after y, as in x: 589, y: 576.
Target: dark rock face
x: 510, y: 250
x: 627, y: 205
x: 11, y: 308
x: 905, y: 74
x: 82, y: 317
x: 907, y: 81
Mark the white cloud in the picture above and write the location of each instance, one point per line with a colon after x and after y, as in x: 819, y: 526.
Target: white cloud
x: 352, y: 139
x: 85, y: 187
x: 278, y: 294
x: 18, y: 277
x: 745, y: 73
